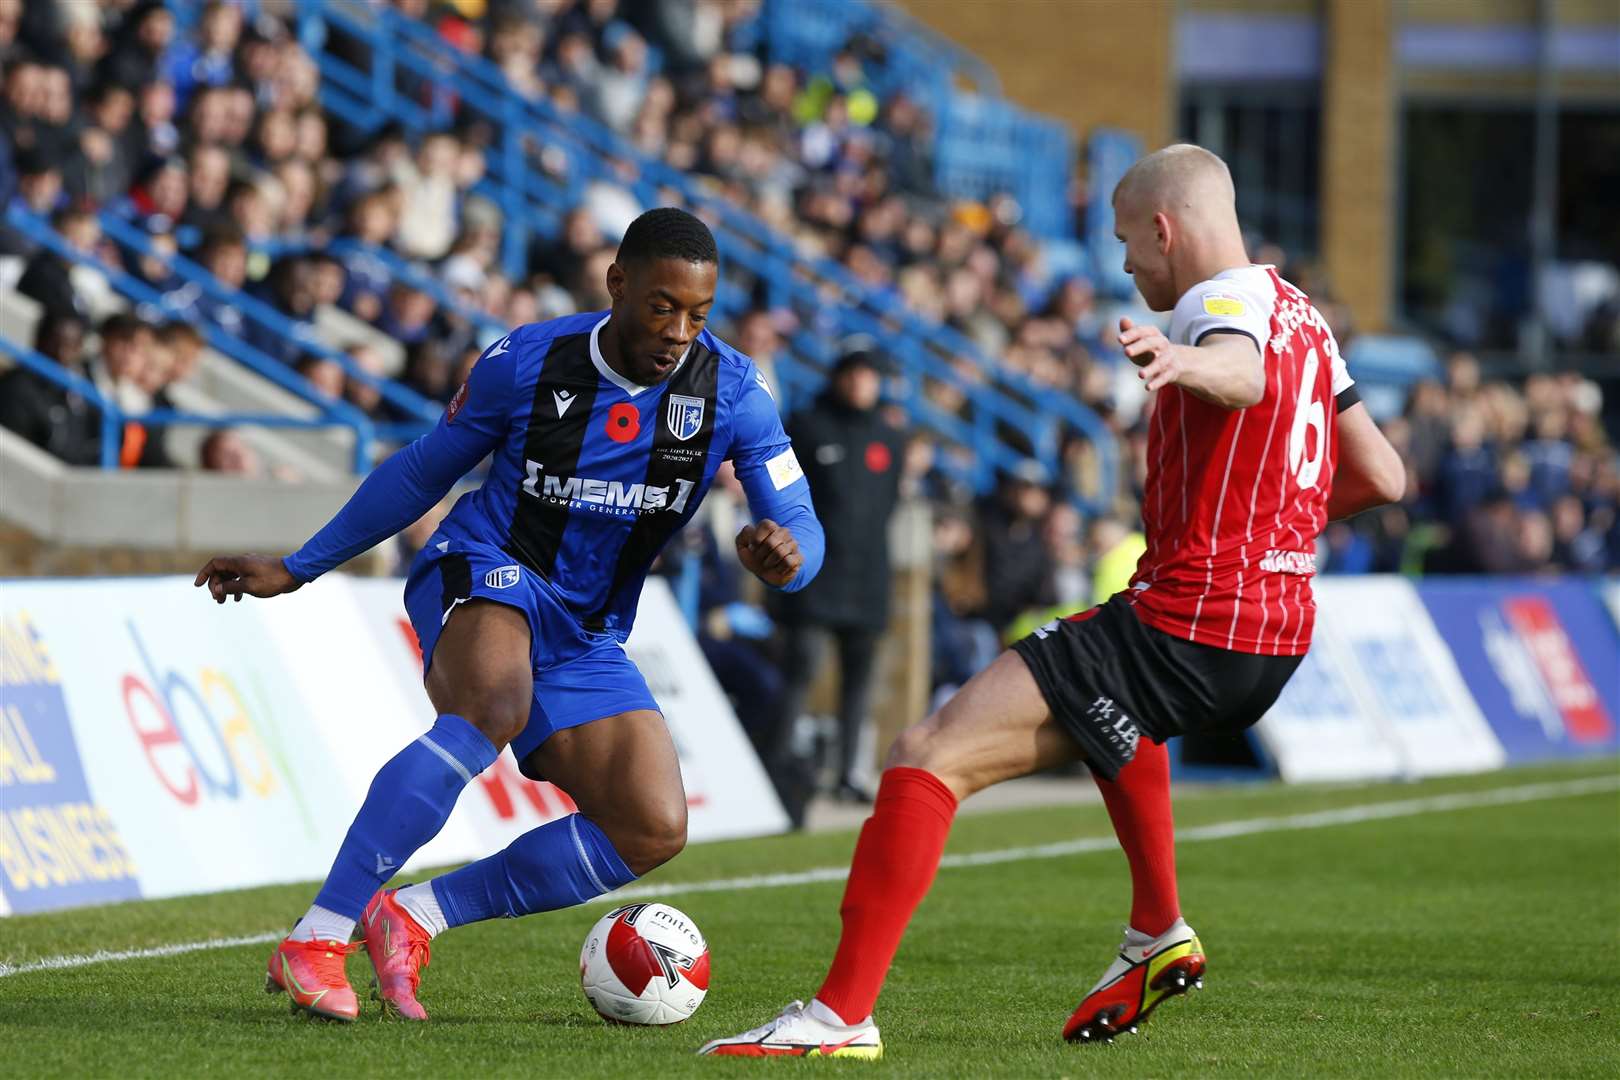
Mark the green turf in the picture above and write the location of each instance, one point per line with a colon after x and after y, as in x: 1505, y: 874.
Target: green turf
x: 1481, y: 941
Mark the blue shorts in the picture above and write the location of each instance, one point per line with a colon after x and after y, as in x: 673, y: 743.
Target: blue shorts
x: 579, y: 675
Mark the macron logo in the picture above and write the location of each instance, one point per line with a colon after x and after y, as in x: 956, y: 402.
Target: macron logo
x: 385, y: 865
x: 563, y: 399
x: 500, y: 346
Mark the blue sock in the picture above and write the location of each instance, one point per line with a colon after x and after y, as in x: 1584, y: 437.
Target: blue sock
x: 558, y: 865
x: 409, y: 801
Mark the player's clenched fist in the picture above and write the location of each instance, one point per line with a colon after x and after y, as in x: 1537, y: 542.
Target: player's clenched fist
x: 252, y: 575
x: 769, y: 552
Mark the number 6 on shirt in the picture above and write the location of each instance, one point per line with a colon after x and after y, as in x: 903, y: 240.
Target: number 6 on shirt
x: 1309, y: 413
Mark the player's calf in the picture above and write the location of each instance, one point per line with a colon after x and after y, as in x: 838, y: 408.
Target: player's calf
x: 623, y: 774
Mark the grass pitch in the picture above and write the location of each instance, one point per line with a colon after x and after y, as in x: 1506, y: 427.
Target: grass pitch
x: 1463, y: 941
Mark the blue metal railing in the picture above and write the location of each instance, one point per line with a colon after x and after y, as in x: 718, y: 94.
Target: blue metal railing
x: 823, y: 293
x: 798, y: 377
x: 1109, y: 153
x: 261, y: 314
x: 144, y: 296
x: 420, y: 279
x: 113, y: 418
x: 983, y: 144
x: 806, y: 34
x: 74, y: 383
x: 801, y: 379
x: 964, y: 64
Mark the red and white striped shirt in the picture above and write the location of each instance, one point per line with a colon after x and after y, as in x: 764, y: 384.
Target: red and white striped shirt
x: 1235, y: 498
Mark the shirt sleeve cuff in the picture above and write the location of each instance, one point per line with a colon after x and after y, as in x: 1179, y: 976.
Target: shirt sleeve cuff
x: 1227, y: 330
x: 297, y: 570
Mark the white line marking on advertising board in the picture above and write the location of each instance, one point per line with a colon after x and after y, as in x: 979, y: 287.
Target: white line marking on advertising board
x: 1221, y: 830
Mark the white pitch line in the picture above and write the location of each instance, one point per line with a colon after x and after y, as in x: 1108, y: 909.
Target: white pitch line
x: 1222, y: 830
x: 106, y: 956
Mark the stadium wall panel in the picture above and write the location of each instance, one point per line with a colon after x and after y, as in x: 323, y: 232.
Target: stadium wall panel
x: 1542, y: 658
x: 1445, y: 675
x: 158, y: 745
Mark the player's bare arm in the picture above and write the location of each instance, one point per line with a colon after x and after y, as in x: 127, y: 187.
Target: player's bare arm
x: 1370, y: 473
x: 251, y: 575
x: 1224, y: 370
x: 769, y: 552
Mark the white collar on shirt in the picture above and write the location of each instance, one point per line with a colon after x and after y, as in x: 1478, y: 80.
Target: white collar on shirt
x: 628, y: 386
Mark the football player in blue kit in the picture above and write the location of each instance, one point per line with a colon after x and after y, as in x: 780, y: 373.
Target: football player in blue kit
x: 606, y: 431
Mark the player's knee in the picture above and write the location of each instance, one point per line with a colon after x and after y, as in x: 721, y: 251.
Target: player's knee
x: 501, y: 714
x: 921, y: 746
x: 912, y: 747
x: 657, y: 836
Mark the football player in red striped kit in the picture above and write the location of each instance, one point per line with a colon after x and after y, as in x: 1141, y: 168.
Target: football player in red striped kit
x: 1257, y: 439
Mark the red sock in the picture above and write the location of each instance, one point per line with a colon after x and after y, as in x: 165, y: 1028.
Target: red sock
x: 895, y: 862
x: 1139, y: 805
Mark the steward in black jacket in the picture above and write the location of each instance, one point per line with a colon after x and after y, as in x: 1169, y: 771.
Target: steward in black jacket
x: 852, y: 457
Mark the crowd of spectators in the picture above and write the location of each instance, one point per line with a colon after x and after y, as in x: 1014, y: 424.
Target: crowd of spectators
x: 1501, y: 479
x: 214, y: 143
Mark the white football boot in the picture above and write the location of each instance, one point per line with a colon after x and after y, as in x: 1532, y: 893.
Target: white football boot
x: 798, y: 1033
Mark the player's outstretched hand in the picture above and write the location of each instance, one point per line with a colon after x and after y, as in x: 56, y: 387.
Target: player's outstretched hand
x: 1149, y: 349
x: 252, y: 575
x: 769, y: 552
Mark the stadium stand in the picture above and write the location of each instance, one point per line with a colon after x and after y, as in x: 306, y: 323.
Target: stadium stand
x: 348, y: 201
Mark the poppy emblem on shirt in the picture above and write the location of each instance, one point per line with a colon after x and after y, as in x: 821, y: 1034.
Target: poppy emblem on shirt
x: 683, y: 415
x: 878, y: 458
x: 623, y: 422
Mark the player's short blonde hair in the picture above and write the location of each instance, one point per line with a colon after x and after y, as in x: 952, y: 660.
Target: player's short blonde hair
x: 1171, y: 177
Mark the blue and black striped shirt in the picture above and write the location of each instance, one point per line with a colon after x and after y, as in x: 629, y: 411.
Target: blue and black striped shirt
x: 592, y: 473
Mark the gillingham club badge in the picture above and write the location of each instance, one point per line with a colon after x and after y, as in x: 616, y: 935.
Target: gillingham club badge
x: 683, y: 415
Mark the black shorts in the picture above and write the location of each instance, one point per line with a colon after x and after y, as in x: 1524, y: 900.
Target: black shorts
x: 1109, y: 679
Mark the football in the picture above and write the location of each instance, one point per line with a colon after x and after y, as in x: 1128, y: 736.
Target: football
x: 644, y: 964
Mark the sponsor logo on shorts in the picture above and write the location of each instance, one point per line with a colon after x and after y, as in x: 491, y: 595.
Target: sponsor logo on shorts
x: 1276, y: 561
x: 1119, y: 730
x: 502, y: 577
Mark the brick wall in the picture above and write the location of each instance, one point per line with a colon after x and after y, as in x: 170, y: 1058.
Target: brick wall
x: 1085, y: 62
x: 1359, y: 204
